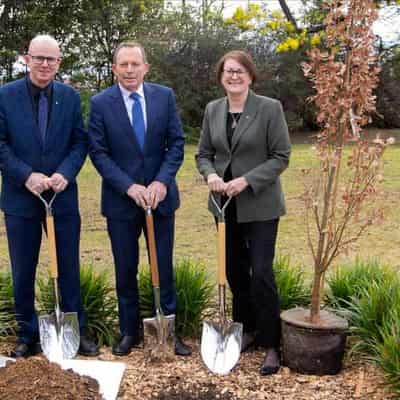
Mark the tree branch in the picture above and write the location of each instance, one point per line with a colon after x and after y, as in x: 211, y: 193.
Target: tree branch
x: 288, y: 14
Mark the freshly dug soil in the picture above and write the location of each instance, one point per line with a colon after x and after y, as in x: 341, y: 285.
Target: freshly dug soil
x: 38, y: 379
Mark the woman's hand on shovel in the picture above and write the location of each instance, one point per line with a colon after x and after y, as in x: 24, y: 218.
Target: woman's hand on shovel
x: 215, y: 183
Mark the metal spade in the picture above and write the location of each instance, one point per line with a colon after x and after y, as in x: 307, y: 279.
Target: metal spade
x: 5, y: 360
x: 221, y: 341
x: 159, y: 331
x: 59, y: 331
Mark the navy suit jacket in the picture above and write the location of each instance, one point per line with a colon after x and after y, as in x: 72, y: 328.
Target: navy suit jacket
x: 23, y: 152
x: 118, y: 157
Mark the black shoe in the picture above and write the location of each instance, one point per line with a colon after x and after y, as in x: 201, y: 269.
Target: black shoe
x: 248, y: 341
x: 87, y: 347
x: 181, y: 349
x: 26, y: 350
x: 124, y: 347
x: 271, y: 363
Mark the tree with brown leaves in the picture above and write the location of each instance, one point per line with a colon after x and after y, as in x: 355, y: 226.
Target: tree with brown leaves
x: 341, y: 192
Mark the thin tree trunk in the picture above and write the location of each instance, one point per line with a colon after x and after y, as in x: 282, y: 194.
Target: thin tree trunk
x: 316, y: 295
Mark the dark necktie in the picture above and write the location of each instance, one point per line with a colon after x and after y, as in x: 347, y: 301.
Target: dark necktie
x: 43, y: 114
x: 138, y: 119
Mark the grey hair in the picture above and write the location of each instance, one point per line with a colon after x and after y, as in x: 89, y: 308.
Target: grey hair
x: 44, y: 38
x: 131, y: 45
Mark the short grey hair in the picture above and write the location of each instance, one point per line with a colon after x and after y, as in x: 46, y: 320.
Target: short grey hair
x: 44, y: 38
x: 131, y: 45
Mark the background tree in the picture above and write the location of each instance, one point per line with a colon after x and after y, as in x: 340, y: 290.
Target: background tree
x: 184, y: 44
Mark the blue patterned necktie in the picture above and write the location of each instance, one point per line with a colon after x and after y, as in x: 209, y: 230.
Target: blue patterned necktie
x: 43, y: 114
x: 138, y: 119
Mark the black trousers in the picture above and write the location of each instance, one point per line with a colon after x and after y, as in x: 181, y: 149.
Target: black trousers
x: 250, y: 251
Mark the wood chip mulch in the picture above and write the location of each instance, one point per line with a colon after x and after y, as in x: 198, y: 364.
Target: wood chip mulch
x: 145, y: 380
x: 186, y: 378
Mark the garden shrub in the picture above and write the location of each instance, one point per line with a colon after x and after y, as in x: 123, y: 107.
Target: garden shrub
x: 195, y: 295
x: 367, y: 311
x: 290, y: 280
x: 8, y: 324
x: 388, y: 350
x: 348, y: 281
x: 368, y: 295
x: 98, y: 300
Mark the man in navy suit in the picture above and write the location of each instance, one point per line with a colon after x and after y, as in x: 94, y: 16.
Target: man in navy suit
x: 136, y: 143
x: 42, y: 148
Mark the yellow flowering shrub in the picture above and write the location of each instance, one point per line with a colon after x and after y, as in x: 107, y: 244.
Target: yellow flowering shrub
x: 290, y: 38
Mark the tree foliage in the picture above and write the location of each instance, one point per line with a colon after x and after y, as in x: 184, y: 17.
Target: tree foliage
x: 341, y: 196
x: 184, y: 45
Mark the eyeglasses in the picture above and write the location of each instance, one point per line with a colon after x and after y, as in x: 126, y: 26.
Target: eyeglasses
x: 39, y: 60
x: 232, y: 72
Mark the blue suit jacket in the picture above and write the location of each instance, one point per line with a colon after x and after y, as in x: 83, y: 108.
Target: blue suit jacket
x: 118, y: 157
x: 22, y: 151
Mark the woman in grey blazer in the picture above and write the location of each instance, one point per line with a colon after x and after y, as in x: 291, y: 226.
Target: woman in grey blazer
x: 244, y: 147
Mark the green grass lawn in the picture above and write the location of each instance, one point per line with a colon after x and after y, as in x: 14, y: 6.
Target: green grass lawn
x: 195, y: 230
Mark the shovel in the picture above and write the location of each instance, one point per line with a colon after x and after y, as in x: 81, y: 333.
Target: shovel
x: 5, y: 360
x: 221, y: 341
x: 159, y: 331
x: 59, y: 332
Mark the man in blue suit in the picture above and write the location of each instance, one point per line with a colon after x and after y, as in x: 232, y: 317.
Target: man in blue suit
x: 136, y: 143
x: 42, y: 148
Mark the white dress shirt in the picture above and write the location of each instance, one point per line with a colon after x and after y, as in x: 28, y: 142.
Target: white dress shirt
x: 129, y: 102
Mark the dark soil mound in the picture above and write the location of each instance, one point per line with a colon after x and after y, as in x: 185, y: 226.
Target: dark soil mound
x: 38, y: 379
x: 194, y: 391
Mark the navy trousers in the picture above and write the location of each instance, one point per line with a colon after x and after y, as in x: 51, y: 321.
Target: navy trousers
x: 24, y: 240
x: 124, y: 236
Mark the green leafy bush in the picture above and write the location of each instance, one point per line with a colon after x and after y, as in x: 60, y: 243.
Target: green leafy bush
x: 388, y: 350
x: 350, y: 280
x: 195, y: 294
x: 8, y: 324
x: 367, y: 312
x: 98, y: 301
x: 369, y: 297
x: 291, y: 284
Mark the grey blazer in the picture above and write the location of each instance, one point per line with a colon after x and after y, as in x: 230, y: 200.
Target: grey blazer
x: 260, y: 152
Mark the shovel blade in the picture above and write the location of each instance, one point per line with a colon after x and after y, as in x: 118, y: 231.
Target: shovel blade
x: 59, y: 337
x: 159, y: 335
x: 220, y: 345
x: 5, y: 360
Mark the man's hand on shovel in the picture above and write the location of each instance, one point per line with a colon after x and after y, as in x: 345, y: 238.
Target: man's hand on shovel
x: 57, y: 182
x: 156, y: 194
x: 139, y: 194
x: 37, y: 183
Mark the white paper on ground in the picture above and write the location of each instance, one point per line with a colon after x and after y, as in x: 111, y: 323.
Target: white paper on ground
x: 107, y: 373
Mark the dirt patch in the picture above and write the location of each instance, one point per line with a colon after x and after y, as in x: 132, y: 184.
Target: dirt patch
x: 38, y: 379
x: 193, y: 391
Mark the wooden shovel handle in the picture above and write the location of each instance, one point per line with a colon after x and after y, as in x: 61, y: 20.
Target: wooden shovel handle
x: 151, y: 239
x: 221, y: 253
x: 51, y: 237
